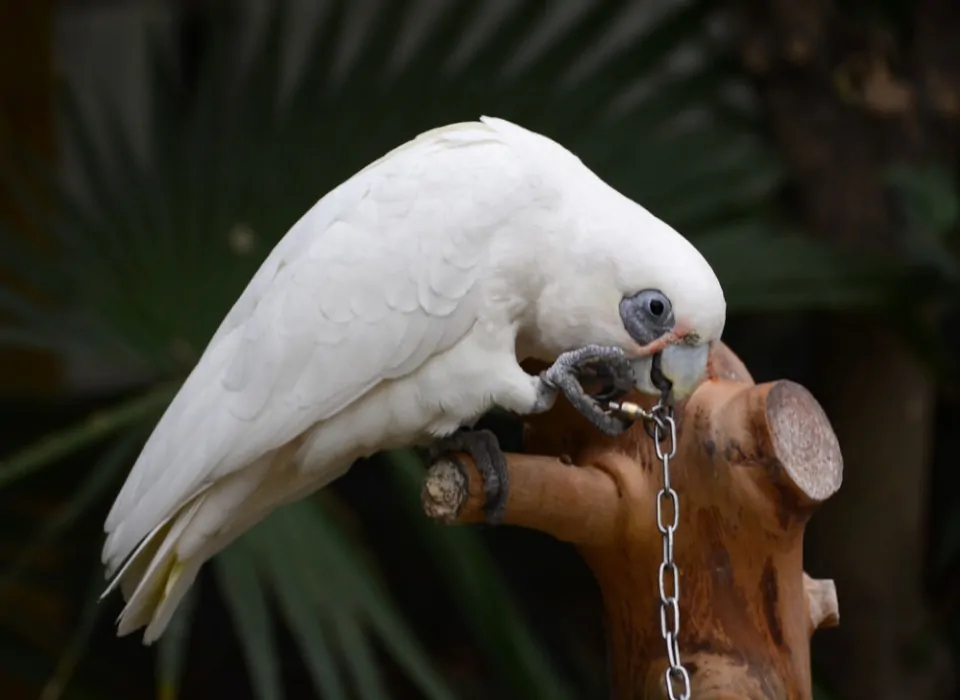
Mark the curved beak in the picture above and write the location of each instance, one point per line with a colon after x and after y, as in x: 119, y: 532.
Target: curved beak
x: 682, y: 365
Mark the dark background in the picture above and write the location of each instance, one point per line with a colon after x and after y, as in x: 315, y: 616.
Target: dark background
x: 152, y: 152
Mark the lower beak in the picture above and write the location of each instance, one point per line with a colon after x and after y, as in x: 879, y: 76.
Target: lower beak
x: 683, y: 365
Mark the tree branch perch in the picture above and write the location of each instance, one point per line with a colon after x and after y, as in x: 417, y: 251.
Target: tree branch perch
x: 753, y: 462
x: 570, y: 503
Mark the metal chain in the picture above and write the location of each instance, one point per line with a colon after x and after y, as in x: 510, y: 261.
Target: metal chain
x: 663, y: 424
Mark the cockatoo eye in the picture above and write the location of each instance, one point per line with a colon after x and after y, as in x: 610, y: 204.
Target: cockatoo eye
x: 647, y: 315
x: 656, y: 305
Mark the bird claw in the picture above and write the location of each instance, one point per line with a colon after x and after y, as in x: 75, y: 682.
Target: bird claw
x: 609, y: 364
x: 593, y: 362
x: 484, y: 448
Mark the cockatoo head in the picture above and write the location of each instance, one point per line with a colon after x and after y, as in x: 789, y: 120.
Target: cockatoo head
x: 671, y: 304
x: 635, y: 283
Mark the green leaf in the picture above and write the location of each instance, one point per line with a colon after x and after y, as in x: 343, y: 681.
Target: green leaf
x: 172, y: 648
x: 474, y: 580
x: 358, y: 582
x: 398, y: 640
x: 103, y: 474
x: 239, y: 582
x: 24, y: 310
x: 93, y: 429
x: 761, y: 271
x: 79, y: 640
x: 294, y: 586
x: 931, y: 196
x: 356, y: 651
x: 930, y: 201
x: 309, y: 554
x: 28, y: 339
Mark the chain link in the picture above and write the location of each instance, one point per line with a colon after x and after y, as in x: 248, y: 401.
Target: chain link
x: 664, y: 429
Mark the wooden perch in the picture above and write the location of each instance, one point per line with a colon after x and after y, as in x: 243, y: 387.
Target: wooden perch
x: 753, y: 463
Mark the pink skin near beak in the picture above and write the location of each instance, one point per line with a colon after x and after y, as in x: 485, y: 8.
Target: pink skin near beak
x: 675, y: 336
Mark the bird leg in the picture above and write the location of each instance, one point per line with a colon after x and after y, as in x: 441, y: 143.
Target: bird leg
x: 598, y: 362
x: 592, y: 362
x: 484, y: 448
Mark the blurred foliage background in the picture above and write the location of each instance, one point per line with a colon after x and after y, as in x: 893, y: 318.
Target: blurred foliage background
x: 152, y: 152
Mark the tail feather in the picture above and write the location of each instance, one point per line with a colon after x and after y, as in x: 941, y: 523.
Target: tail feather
x: 161, y: 570
x: 150, y: 574
x: 180, y: 577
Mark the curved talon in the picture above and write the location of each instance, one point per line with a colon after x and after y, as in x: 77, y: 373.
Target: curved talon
x: 608, y: 424
x: 593, y: 360
x: 484, y: 448
x: 617, y: 377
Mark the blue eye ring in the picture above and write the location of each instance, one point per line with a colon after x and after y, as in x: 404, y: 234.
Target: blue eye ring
x: 647, y: 315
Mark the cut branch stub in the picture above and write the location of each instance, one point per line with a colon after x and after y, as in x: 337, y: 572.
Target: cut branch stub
x: 753, y: 462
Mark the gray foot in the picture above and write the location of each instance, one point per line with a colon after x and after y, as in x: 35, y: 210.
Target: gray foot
x: 593, y: 361
x: 484, y: 447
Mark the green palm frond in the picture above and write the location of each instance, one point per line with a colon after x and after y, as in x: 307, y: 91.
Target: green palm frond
x: 151, y: 251
x: 472, y: 576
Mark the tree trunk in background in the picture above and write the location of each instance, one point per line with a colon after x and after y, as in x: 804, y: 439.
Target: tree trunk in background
x: 871, y: 539
x: 26, y: 84
x: 844, y: 99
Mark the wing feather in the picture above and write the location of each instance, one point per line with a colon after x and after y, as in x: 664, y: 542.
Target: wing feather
x: 381, y: 274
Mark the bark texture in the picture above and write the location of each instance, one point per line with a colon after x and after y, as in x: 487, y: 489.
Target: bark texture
x: 753, y: 463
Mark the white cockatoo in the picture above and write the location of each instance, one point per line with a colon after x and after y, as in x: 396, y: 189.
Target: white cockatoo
x: 394, y: 313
